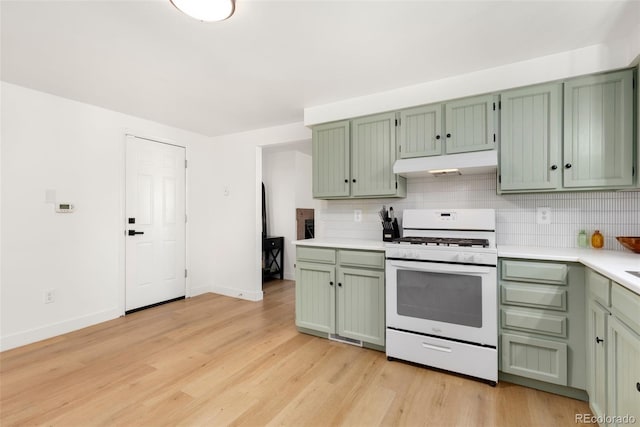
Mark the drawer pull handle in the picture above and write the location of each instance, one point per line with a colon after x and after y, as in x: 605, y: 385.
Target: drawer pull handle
x: 599, y: 340
x: 436, y: 347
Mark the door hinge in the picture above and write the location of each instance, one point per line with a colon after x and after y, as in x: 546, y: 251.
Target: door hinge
x: 185, y: 163
x: 494, y: 137
x: 397, y: 122
x: 499, y: 105
x: 633, y: 84
x: 500, y: 178
x: 185, y: 272
x: 400, y: 148
x: 494, y: 106
x: 396, y: 185
x: 633, y: 171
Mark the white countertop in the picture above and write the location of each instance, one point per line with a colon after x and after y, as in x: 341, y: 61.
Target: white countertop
x: 368, y: 245
x: 613, y: 264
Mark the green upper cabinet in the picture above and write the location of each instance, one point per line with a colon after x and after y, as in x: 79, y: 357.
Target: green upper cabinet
x: 354, y: 159
x: 421, y: 131
x: 598, y: 131
x: 530, y: 138
x: 469, y: 125
x: 331, y: 161
x: 373, y: 150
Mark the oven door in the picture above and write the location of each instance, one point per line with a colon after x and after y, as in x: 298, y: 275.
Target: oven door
x: 452, y: 301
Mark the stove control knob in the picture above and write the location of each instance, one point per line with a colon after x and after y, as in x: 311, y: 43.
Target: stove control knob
x: 468, y: 257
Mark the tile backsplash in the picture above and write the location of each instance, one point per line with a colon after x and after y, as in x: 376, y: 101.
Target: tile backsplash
x: 614, y: 213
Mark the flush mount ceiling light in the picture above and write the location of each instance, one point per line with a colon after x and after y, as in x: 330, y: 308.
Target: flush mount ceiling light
x: 206, y: 10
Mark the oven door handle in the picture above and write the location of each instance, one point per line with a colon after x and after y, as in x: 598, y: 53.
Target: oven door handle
x: 436, y: 347
x: 439, y: 268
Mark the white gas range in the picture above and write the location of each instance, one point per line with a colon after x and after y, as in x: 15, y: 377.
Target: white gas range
x: 441, y: 291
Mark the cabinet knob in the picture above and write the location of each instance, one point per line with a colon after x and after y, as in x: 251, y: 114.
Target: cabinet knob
x: 346, y: 181
x: 554, y: 167
x: 437, y: 136
x: 599, y: 340
x: 354, y: 180
x: 330, y: 283
x: 448, y: 135
x: 339, y: 284
x: 638, y: 386
x: 568, y: 166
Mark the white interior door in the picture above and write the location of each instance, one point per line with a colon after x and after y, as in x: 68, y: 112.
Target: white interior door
x: 155, y: 212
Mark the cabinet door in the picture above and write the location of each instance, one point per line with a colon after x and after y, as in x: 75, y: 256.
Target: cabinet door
x: 530, y: 138
x: 331, y: 160
x: 315, y: 297
x: 361, y: 305
x: 624, y: 372
x: 421, y: 131
x: 373, y: 154
x: 469, y: 125
x: 598, y: 131
x: 542, y: 360
x: 597, y: 357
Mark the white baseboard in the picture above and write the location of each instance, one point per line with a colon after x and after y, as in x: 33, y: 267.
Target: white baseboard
x: 238, y: 293
x: 289, y: 275
x: 198, y: 291
x: 38, y: 334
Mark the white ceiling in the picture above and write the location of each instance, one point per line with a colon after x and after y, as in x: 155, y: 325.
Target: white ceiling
x: 271, y: 59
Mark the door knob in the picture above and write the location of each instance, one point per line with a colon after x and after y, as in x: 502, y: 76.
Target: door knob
x: 134, y: 232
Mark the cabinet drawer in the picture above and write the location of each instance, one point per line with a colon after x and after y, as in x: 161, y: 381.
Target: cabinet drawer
x: 535, y: 358
x: 626, y: 305
x: 534, y: 321
x: 529, y: 271
x: 541, y: 296
x: 313, y: 254
x: 599, y: 287
x: 369, y: 259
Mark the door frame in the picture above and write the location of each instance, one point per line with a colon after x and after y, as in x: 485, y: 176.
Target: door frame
x: 122, y: 216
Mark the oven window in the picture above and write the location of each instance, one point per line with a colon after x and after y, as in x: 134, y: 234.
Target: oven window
x: 444, y: 297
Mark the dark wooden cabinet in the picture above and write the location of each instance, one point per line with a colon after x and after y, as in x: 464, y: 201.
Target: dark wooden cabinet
x: 272, y: 258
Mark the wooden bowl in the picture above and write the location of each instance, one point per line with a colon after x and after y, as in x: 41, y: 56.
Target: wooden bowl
x: 630, y: 242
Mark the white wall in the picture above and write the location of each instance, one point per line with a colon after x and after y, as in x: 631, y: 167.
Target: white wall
x: 287, y: 177
x: 77, y: 150
x: 234, y: 244
x: 588, y: 60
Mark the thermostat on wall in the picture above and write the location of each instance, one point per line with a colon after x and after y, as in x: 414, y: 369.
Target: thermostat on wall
x: 64, y: 207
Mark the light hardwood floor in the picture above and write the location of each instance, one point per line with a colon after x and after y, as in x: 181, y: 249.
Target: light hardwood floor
x: 213, y: 361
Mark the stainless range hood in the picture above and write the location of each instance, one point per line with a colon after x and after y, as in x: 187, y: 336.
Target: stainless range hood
x: 450, y: 164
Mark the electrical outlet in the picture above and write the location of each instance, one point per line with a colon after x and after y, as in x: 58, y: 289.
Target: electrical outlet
x: 543, y: 215
x: 49, y: 296
x: 357, y: 215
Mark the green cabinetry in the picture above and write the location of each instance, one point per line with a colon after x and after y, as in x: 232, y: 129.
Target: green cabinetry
x: 541, y: 325
x: 568, y: 136
x: 598, y: 131
x: 340, y: 294
x: 354, y: 159
x: 531, y: 138
x: 468, y: 126
x: 331, y: 160
x: 613, y: 349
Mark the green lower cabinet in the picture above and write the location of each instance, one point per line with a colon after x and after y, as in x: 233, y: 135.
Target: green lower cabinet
x: 360, y: 300
x: 542, y: 327
x: 624, y: 373
x: 340, y: 294
x: 597, y: 317
x: 535, y: 358
x: 315, y: 297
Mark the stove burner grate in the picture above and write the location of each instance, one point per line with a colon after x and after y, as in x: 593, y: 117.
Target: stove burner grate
x: 443, y: 241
